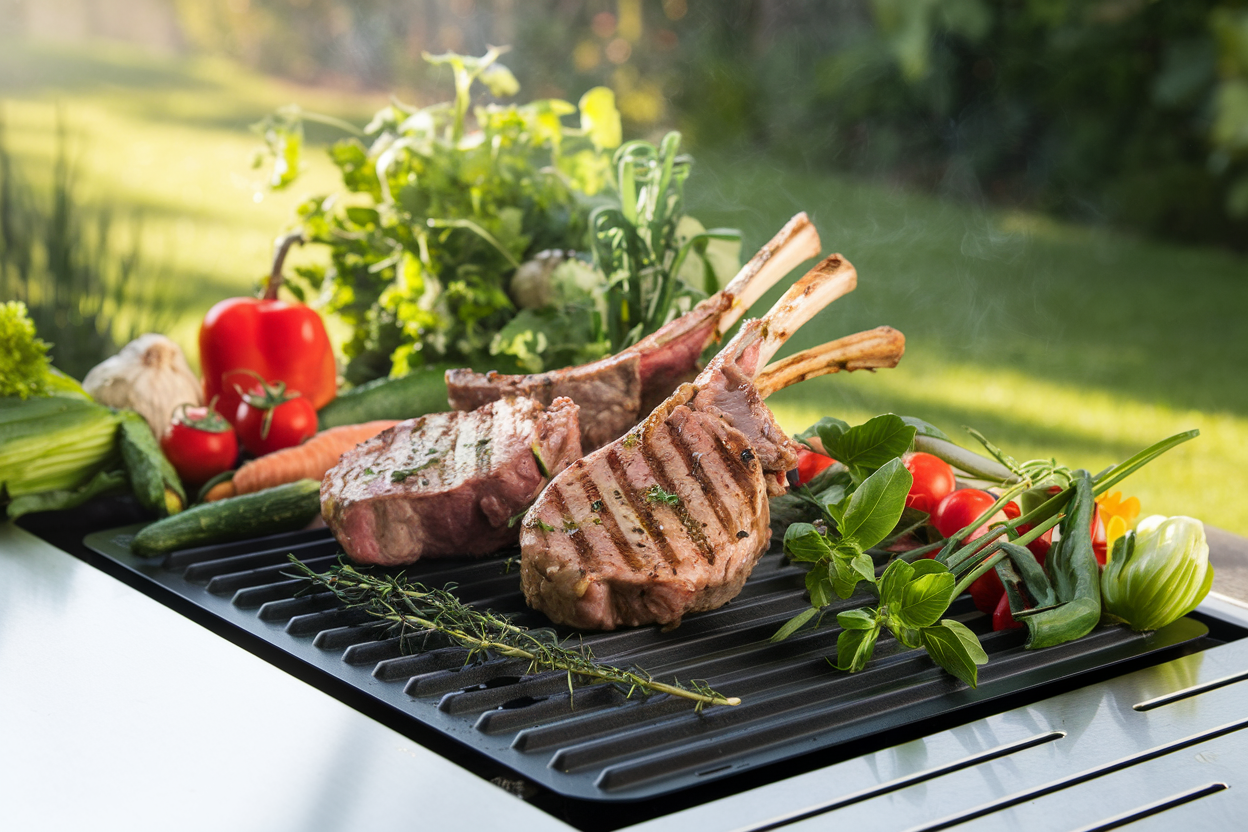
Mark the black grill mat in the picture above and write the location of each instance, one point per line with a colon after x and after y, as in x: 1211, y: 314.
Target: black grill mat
x: 595, y: 744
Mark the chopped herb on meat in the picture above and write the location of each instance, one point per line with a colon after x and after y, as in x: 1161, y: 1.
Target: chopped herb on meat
x: 655, y: 494
x: 403, y: 473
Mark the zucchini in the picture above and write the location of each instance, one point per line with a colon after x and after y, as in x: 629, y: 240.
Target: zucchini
x: 283, y: 508
x: 406, y: 397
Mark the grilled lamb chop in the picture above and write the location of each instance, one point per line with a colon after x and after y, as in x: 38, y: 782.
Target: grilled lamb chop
x: 616, y: 392
x: 448, y: 483
x: 671, y: 518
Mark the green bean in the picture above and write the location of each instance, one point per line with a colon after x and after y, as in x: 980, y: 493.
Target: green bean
x: 1075, y: 574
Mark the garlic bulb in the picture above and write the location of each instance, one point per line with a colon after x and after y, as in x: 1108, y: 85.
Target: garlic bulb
x: 150, y: 375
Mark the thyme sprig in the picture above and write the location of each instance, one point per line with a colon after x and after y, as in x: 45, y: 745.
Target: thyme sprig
x: 413, y: 609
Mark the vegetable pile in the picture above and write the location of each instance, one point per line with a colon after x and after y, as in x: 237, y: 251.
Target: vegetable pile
x: 876, y: 490
x: 58, y: 448
x: 496, y: 236
x: 519, y: 243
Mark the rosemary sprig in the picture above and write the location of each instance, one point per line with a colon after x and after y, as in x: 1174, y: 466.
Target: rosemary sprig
x: 412, y: 608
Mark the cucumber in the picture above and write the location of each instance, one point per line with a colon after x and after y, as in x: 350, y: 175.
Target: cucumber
x: 152, y: 478
x: 406, y: 397
x: 283, y: 508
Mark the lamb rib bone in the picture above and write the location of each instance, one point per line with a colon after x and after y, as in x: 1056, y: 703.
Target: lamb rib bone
x: 615, y: 392
x: 759, y: 340
x: 796, y: 242
x: 671, y: 518
x: 879, y: 348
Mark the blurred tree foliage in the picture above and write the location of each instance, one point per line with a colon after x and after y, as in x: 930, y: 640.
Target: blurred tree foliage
x: 1126, y: 110
x: 1131, y: 111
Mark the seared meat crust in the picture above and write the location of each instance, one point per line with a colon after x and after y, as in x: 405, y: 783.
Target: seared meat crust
x: 667, y: 521
x: 448, y: 484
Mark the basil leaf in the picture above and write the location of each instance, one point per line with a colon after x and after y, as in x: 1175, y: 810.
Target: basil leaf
x: 864, y: 567
x: 819, y: 583
x: 868, y: 446
x: 876, y: 505
x: 925, y: 599
x: 947, y: 650
x: 827, y: 426
x: 910, y: 636
x: 948, y: 646
x: 969, y: 640
x: 831, y: 477
x: 794, y: 624
x: 854, y: 648
x: 835, y: 508
x: 804, y: 543
x: 804, y: 504
x: 845, y: 579
x: 856, y: 620
x: 922, y: 428
x: 896, y: 575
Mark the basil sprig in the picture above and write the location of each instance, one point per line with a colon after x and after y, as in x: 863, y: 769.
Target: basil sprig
x: 913, y: 596
x: 857, y: 516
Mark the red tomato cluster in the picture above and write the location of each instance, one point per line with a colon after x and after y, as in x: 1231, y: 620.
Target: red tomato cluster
x: 960, y: 508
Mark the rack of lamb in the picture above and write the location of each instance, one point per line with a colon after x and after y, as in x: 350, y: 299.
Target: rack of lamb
x: 671, y: 518
x: 616, y: 392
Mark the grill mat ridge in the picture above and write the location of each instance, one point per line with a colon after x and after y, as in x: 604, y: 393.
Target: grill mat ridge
x: 596, y: 744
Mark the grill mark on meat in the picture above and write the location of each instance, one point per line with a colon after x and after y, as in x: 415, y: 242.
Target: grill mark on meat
x: 713, y: 495
x: 462, y: 457
x: 610, y: 523
x: 641, y: 508
x: 578, y: 539
x: 420, y: 444
x: 732, y: 463
x: 682, y: 511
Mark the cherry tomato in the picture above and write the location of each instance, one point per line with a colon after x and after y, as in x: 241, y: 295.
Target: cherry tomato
x: 959, y: 510
x: 933, y: 480
x: 268, y: 419
x: 199, y: 444
x: 810, y: 463
x: 1003, y: 617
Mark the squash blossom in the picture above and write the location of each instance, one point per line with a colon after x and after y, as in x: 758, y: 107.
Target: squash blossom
x: 1117, y: 514
x: 1158, y: 573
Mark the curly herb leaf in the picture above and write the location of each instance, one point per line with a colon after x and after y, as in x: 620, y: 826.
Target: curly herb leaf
x: 24, y: 362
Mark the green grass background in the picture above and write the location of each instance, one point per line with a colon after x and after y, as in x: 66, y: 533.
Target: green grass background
x: 1055, y: 340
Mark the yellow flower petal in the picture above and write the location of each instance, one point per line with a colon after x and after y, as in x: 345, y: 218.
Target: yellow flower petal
x: 1112, y: 505
x: 1114, y: 529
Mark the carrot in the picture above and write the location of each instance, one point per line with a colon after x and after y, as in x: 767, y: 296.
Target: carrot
x: 311, y: 460
x: 220, y: 491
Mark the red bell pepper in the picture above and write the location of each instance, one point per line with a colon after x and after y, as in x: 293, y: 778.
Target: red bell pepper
x: 272, y: 338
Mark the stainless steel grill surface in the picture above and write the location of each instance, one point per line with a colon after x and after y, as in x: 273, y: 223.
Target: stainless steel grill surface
x: 597, y: 745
